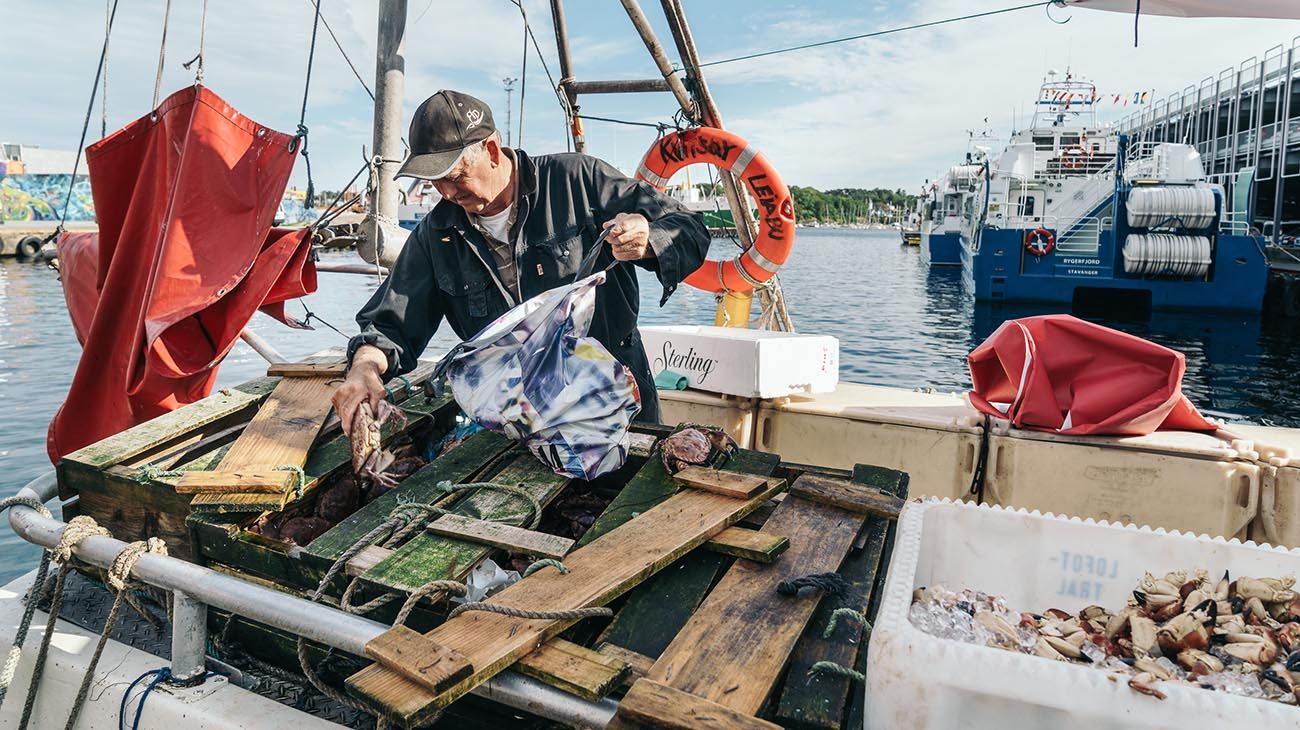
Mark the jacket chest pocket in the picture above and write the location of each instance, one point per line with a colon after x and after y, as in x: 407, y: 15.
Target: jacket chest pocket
x: 556, y: 260
x: 467, y: 291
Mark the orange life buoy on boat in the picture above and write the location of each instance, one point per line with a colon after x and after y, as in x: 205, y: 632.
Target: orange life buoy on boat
x: 1074, y: 157
x: 1040, y: 242
x: 775, y: 236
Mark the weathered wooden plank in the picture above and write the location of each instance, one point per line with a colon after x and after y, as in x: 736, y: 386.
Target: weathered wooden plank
x: 281, y: 433
x: 746, y: 623
x: 457, y: 465
x: 820, y: 701
x: 598, y: 573
x: 251, y: 480
x: 365, y: 560
x: 427, y: 557
x: 574, y: 669
x: 846, y: 495
x: 638, y: 664
x: 650, y: 704
x: 332, y: 368
x: 657, y: 609
x: 857, y: 706
x: 731, y: 484
x: 172, y: 426
x: 740, y: 542
x: 408, y: 652
x: 501, y: 535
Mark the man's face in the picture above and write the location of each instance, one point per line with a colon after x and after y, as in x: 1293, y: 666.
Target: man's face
x: 472, y: 184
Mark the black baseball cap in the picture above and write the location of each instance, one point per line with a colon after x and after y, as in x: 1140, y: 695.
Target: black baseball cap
x: 443, y: 127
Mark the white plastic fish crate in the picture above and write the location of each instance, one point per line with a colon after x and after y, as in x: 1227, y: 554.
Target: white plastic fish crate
x: 1036, y: 562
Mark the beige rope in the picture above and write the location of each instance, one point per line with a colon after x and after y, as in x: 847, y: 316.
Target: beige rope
x: 78, y: 529
x: 119, y: 573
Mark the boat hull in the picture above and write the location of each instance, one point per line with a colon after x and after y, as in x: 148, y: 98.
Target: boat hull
x: 1000, y: 269
x: 941, y: 249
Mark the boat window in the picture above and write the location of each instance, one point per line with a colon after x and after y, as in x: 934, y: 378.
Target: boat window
x: 1027, y: 206
x: 1069, y: 139
x: 1044, y: 143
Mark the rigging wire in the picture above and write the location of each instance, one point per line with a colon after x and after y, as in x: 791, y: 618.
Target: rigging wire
x: 661, y: 126
x: 874, y: 34
x: 523, y: 84
x: 348, y: 59
x: 301, y: 137
x: 85, y: 126
x: 162, y: 53
x: 559, y: 95
x: 103, y: 99
x: 198, y: 58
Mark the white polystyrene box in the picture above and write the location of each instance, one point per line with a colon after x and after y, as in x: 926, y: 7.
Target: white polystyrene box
x: 744, y: 362
x: 1036, y: 561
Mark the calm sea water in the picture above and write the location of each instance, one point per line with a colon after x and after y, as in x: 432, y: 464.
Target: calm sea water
x: 899, y: 324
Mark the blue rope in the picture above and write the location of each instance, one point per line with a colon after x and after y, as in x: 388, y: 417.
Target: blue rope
x: 162, y: 674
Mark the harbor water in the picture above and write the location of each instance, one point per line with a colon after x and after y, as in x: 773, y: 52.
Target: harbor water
x: 899, y: 323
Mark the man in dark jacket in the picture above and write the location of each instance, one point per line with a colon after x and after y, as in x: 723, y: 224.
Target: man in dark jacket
x: 509, y: 227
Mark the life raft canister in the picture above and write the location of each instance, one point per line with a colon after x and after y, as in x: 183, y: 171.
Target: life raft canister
x: 667, y: 156
x: 1040, y: 242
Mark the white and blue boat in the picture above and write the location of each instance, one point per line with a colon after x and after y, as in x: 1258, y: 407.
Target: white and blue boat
x: 1075, y: 214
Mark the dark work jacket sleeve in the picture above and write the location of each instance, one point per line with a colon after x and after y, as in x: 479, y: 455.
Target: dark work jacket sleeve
x: 677, y: 235
x: 405, y: 311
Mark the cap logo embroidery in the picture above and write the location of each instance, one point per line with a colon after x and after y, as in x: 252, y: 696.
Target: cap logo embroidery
x: 475, y: 117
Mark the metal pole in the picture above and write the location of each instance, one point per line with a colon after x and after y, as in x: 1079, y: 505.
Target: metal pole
x: 314, y: 621
x: 189, y: 637
x: 628, y: 86
x: 566, y: 72
x: 660, y: 57
x: 261, y: 346
x: 390, y: 67
x: 367, y: 269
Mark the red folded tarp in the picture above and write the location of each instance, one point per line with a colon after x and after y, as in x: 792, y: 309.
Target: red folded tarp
x: 1059, y: 373
x: 185, y: 254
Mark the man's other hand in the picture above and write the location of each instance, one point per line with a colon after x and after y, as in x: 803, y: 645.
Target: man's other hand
x: 361, y: 384
x: 629, y: 236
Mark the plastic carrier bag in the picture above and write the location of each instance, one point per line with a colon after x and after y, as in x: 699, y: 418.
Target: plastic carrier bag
x: 536, y: 377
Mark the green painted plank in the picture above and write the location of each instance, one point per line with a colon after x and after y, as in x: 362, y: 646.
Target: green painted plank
x: 657, y: 609
x: 429, y: 557
x: 457, y: 465
x: 820, y: 701
x: 169, y: 426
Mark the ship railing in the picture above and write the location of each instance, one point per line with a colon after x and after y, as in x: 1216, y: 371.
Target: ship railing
x: 1052, y: 165
x: 1235, y: 223
x: 1088, y: 198
x: 194, y: 588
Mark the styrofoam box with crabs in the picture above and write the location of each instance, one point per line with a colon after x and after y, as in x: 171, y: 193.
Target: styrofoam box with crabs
x: 1036, y: 562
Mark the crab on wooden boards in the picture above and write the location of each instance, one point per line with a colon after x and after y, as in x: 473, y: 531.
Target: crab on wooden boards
x: 370, y: 461
x: 696, y: 446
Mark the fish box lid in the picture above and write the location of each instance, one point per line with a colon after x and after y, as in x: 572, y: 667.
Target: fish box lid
x: 1218, y: 445
x: 896, y: 406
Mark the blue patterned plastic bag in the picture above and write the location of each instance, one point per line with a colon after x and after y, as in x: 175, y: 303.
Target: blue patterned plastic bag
x: 536, y: 377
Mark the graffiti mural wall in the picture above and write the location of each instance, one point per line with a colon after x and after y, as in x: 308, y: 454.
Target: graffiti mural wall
x: 40, y: 198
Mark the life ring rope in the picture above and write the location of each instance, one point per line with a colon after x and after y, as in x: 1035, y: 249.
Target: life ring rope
x: 759, y: 263
x: 1033, y: 239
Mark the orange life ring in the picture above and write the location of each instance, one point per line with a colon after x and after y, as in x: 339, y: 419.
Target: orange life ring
x: 1074, y: 157
x: 1040, y: 242
x: 775, y: 236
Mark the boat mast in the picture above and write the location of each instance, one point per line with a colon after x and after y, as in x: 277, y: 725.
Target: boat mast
x: 390, y: 84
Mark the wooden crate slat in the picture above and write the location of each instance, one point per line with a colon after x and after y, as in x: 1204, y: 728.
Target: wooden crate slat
x: 650, y: 704
x: 281, y: 433
x: 847, y: 495
x: 598, y: 573
x: 731, y: 484
x: 304, y: 369
x: 501, y: 535
x: 740, y: 542
x: 276, y: 482
x: 427, y: 557
x: 457, y: 465
x: 744, y: 622
x: 857, y: 706
x: 656, y: 610
x: 821, y: 701
x: 574, y: 669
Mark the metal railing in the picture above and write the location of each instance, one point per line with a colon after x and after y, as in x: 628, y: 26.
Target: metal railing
x: 196, y: 587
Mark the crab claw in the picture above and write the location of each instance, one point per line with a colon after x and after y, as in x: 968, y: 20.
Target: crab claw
x: 1259, y: 653
x: 387, y: 411
x: 1145, y: 683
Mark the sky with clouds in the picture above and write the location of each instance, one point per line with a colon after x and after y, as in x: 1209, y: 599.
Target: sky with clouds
x: 886, y: 111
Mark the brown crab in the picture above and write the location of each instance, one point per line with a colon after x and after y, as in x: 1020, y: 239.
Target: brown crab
x: 370, y: 460
x: 696, y: 446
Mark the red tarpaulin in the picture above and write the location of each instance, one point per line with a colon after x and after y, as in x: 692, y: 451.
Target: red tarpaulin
x: 185, y: 254
x: 1059, y: 373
